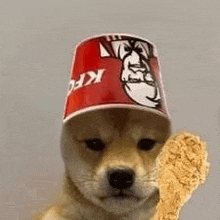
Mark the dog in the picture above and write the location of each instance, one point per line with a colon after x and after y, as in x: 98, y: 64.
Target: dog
x: 110, y: 158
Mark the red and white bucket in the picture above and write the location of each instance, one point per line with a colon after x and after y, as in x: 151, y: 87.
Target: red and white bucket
x: 115, y: 71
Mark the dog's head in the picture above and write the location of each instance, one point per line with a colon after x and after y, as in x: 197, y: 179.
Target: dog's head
x: 110, y: 156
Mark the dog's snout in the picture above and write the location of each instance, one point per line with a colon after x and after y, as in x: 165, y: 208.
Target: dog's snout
x: 121, y: 179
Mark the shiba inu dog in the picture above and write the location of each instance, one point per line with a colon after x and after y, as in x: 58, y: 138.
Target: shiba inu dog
x: 110, y: 158
x: 115, y: 124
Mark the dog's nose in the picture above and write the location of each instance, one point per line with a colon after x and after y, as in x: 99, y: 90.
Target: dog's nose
x: 121, y: 179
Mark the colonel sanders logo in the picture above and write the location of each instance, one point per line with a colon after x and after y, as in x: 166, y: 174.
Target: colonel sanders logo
x: 137, y: 78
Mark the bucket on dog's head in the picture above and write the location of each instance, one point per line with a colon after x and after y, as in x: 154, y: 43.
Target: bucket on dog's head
x: 115, y: 71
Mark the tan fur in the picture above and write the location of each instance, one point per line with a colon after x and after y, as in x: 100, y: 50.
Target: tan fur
x: 86, y: 193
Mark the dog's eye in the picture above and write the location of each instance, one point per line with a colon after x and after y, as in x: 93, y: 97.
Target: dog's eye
x: 146, y: 144
x: 94, y: 144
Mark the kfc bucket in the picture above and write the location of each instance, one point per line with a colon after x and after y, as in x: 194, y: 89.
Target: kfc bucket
x: 116, y: 71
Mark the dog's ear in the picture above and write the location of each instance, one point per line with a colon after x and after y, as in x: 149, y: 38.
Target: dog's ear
x: 183, y: 165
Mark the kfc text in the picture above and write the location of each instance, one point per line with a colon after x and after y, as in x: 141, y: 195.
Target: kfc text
x: 94, y: 77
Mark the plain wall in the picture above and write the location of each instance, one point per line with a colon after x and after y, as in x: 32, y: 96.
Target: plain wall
x: 37, y: 41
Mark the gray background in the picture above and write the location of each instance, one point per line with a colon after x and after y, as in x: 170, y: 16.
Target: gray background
x: 37, y: 41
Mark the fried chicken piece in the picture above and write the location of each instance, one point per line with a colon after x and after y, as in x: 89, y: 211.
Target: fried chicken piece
x: 182, y: 166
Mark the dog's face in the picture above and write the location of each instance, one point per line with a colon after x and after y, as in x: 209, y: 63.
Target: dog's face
x: 110, y: 156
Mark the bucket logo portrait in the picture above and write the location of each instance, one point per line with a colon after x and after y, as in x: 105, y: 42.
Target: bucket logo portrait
x: 137, y: 78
